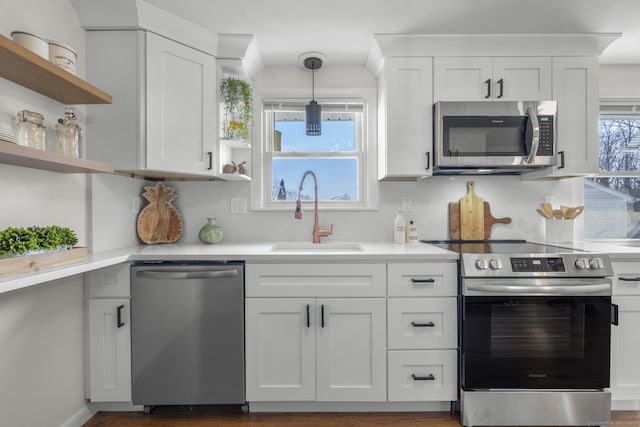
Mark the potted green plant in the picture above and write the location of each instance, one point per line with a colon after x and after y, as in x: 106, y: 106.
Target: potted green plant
x: 17, y: 241
x: 237, y: 97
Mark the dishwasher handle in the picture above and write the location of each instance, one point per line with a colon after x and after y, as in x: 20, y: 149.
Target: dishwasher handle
x: 177, y: 274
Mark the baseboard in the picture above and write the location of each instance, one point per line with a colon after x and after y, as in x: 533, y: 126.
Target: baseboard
x: 80, y: 417
x: 625, y: 405
x: 349, y: 406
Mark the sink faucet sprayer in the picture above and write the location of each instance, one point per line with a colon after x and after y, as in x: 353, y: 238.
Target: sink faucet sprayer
x: 317, y: 232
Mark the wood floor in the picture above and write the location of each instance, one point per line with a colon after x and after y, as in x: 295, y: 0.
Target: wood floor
x: 215, y: 417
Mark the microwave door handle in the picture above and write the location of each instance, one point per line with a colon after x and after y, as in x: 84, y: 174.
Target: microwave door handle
x: 535, y: 140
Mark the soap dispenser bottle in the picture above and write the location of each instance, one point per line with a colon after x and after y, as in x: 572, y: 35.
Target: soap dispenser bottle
x: 399, y: 228
x: 412, y: 232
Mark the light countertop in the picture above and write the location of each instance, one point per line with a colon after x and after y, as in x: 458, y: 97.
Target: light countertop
x: 251, y: 252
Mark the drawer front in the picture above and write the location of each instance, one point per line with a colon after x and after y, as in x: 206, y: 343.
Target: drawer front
x: 423, y: 279
x: 422, y: 375
x: 315, y: 280
x: 627, y: 278
x: 422, y: 323
x: 110, y: 282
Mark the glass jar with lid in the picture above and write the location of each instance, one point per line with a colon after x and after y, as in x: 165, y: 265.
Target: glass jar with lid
x: 30, y: 130
x: 68, y: 135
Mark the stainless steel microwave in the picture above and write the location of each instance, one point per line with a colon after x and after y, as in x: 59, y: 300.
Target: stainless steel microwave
x: 494, y: 136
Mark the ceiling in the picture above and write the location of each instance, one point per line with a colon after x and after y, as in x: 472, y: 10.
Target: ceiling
x: 343, y: 29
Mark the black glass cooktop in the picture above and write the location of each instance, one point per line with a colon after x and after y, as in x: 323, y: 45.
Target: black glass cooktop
x: 499, y: 247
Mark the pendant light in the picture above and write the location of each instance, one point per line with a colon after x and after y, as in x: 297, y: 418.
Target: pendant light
x: 313, y: 109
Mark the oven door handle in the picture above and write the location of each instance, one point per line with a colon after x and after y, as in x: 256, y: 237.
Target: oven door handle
x: 541, y: 290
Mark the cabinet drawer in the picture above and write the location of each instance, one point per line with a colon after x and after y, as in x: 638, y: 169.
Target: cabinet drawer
x: 109, y: 282
x: 315, y: 280
x: 423, y: 279
x: 421, y: 323
x: 627, y: 278
x: 422, y: 375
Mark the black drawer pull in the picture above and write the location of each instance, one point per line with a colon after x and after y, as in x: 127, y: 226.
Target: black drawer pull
x: 423, y: 325
x: 488, y: 83
x: 423, y: 281
x: 322, y: 315
x: 119, y: 321
x: 614, y: 314
x: 308, y: 317
x: 429, y: 377
x: 629, y: 279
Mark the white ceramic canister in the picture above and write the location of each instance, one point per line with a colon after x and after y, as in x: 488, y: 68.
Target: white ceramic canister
x: 34, y: 43
x: 63, y: 56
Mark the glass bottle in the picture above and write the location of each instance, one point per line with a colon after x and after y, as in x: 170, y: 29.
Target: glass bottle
x: 30, y: 130
x: 211, y: 232
x: 68, y: 135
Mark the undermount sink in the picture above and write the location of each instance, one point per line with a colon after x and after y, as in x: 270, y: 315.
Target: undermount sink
x: 316, y: 247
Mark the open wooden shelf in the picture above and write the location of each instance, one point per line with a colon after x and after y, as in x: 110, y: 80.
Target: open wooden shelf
x: 27, y: 69
x: 17, y: 155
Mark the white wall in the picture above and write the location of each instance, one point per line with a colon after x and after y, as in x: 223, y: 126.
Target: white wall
x: 620, y: 81
x: 41, y: 356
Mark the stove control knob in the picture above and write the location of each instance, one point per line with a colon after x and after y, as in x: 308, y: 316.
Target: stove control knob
x: 482, y: 264
x: 582, y: 263
x: 596, y: 263
x: 495, y: 264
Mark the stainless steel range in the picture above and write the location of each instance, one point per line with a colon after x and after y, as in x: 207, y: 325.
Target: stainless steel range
x: 535, y: 335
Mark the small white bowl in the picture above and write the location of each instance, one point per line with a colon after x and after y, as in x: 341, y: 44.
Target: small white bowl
x: 35, y: 44
x: 62, y: 55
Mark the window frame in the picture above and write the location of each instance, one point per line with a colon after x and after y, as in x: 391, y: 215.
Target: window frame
x: 262, y: 156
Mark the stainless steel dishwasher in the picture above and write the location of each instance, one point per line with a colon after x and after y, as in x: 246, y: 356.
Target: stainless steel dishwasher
x: 187, y: 333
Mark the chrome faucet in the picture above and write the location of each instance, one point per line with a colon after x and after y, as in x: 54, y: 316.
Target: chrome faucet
x: 317, y: 232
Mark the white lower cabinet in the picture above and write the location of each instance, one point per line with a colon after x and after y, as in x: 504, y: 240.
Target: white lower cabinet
x: 329, y: 349
x: 625, y: 345
x: 109, y: 334
x: 422, y: 324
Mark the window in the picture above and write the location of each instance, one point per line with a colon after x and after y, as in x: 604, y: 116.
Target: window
x: 612, y: 198
x: 340, y: 157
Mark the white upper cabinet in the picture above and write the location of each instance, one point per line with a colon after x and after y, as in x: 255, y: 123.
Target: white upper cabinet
x: 495, y: 79
x: 163, y: 119
x: 405, y: 125
x: 575, y: 88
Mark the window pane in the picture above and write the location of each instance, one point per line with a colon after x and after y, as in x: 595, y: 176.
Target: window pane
x: 620, y: 143
x: 337, y: 179
x: 337, y: 135
x: 612, y: 208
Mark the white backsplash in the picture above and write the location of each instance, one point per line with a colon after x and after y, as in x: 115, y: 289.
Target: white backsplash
x: 507, y: 195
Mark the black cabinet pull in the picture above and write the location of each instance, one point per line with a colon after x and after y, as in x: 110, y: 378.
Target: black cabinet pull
x: 488, y: 83
x: 423, y: 281
x: 629, y: 279
x: 614, y: 314
x: 423, y: 325
x: 308, y: 317
x: 428, y: 154
x: 429, y: 377
x: 561, y: 154
x: 501, y: 84
x: 119, y: 321
x: 322, y: 315
x: 210, y: 154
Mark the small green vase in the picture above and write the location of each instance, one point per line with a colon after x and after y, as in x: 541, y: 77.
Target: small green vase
x: 211, y: 232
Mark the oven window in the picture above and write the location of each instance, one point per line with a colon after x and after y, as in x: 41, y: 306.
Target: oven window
x: 536, y: 342
x: 524, y: 330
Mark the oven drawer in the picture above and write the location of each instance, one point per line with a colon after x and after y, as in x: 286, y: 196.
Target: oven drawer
x: 422, y: 323
x: 627, y: 278
x: 422, y: 279
x: 422, y: 375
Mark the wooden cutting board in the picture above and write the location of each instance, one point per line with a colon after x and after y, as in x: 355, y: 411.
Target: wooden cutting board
x: 489, y: 221
x: 471, y: 215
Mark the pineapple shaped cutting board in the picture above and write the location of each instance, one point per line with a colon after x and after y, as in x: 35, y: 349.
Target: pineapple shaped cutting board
x: 159, y: 221
x: 471, y: 215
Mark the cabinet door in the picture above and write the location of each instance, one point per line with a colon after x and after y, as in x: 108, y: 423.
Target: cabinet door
x: 181, y: 107
x: 405, y: 108
x: 280, y: 349
x: 351, y: 359
x: 462, y: 79
x: 109, y: 350
x: 423, y: 375
x: 522, y: 79
x: 625, y: 350
x: 627, y: 278
x: 575, y: 87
